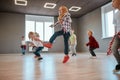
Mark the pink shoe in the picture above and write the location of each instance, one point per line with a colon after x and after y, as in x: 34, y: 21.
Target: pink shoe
x: 66, y: 58
x: 48, y: 45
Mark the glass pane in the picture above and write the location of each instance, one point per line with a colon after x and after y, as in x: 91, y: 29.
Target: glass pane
x: 107, y: 20
x: 109, y: 24
x: 39, y: 29
x: 48, y: 31
x: 29, y: 26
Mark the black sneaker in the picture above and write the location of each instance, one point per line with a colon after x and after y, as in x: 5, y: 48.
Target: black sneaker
x: 40, y: 58
x: 117, y: 68
x: 73, y: 54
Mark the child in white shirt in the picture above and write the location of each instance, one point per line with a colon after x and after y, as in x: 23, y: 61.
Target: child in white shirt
x: 37, y: 43
x: 23, y: 45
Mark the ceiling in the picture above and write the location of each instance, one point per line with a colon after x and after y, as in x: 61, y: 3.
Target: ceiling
x: 36, y: 6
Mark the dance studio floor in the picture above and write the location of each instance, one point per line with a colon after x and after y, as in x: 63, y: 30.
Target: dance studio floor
x: 80, y: 67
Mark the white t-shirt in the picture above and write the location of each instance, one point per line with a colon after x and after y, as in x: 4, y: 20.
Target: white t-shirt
x: 116, y: 21
x: 23, y: 42
x: 37, y: 43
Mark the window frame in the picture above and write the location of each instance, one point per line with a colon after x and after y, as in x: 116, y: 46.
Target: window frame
x: 105, y: 9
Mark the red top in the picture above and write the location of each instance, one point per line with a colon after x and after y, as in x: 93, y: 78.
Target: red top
x: 92, y: 42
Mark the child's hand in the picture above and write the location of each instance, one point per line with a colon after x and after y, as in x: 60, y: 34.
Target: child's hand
x: 109, y: 51
x: 86, y: 44
x: 51, y: 26
x: 31, y: 44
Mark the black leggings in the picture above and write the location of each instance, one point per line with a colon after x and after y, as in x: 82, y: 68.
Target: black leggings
x: 92, y: 51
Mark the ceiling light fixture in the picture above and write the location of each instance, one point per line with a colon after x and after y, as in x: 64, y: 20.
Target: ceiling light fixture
x: 50, y: 5
x: 75, y: 8
x: 21, y: 2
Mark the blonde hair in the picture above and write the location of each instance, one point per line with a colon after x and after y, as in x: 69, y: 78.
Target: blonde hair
x: 64, y: 10
x: 36, y: 34
x: 89, y: 31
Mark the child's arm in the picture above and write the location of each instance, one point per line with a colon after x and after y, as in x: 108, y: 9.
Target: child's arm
x: 31, y: 44
x: 54, y: 25
x: 91, y: 41
x: 110, y: 44
x: 37, y: 39
x: 87, y: 44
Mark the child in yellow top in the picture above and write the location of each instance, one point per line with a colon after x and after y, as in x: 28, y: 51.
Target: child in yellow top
x: 73, y: 43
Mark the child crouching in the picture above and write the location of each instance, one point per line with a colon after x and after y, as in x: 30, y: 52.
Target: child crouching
x: 37, y: 43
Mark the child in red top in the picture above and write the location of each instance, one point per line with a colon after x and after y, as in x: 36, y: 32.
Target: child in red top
x: 93, y: 44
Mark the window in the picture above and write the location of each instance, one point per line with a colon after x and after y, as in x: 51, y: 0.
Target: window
x: 39, y: 24
x: 29, y: 27
x: 108, y: 29
x: 40, y: 29
x: 48, y: 31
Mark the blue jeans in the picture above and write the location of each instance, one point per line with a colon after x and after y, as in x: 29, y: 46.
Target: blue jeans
x: 38, y: 50
x: 115, y: 47
x: 23, y: 51
x: 66, y: 36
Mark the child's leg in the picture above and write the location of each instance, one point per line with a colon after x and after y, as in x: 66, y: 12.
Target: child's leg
x: 66, y: 49
x: 74, y: 49
x: 37, y: 52
x: 70, y: 51
x: 23, y: 51
x: 54, y: 36
x: 115, y: 47
x: 66, y: 38
x: 92, y: 51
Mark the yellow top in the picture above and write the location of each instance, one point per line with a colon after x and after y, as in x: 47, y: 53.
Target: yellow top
x: 72, y: 39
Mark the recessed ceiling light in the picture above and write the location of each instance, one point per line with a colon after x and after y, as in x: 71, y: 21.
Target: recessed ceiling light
x: 75, y: 8
x: 21, y: 2
x: 50, y: 5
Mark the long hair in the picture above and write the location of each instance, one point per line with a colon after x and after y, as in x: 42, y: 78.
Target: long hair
x: 64, y: 10
x: 116, y: 4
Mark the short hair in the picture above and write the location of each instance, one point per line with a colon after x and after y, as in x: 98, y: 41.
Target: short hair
x: 90, y: 31
x: 36, y: 34
x: 30, y: 33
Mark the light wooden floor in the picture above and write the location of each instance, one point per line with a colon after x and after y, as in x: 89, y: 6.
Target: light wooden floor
x: 81, y: 67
